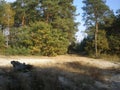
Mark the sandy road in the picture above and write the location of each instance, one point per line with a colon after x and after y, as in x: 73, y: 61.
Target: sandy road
x: 36, y: 60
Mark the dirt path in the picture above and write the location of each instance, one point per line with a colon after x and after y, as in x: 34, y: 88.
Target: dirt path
x: 36, y: 60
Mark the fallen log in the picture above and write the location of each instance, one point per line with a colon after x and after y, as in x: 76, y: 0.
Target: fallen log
x: 17, y: 66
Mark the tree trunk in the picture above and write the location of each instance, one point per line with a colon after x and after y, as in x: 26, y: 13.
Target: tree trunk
x: 96, y: 36
x: 23, y: 19
x: 47, y: 18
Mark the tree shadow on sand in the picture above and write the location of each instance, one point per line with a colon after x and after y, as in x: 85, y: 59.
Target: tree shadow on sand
x: 74, y: 76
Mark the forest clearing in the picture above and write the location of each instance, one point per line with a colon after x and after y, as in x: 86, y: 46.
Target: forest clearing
x: 59, y: 45
x: 38, y: 60
x: 65, y: 72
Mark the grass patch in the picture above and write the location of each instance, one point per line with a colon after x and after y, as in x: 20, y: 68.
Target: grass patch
x: 114, y: 58
x: 43, y: 79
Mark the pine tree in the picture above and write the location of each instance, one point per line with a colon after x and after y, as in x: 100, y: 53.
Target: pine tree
x: 60, y: 14
x: 27, y: 11
x: 50, y: 25
x: 113, y: 34
x: 94, y: 12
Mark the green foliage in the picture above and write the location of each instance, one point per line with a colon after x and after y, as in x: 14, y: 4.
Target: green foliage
x: 94, y: 13
x: 7, y: 16
x: 38, y: 39
x: 17, y: 51
x: 113, y: 35
x: 48, y: 26
x: 20, y: 37
x: 46, y: 40
x: 108, y: 41
x: 26, y: 11
x: 42, y: 27
x: 2, y: 2
x: 19, y: 41
x: 102, y: 42
x: 114, y: 43
x: 60, y: 14
x: 94, y: 10
x: 67, y: 26
x: 2, y: 40
x: 87, y: 45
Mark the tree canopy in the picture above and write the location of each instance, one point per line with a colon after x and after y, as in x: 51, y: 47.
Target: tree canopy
x: 43, y: 27
x: 48, y: 27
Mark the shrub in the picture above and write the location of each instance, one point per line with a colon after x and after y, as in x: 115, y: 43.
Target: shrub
x: 38, y: 39
x: 46, y: 40
x: 17, y: 51
x: 2, y: 42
